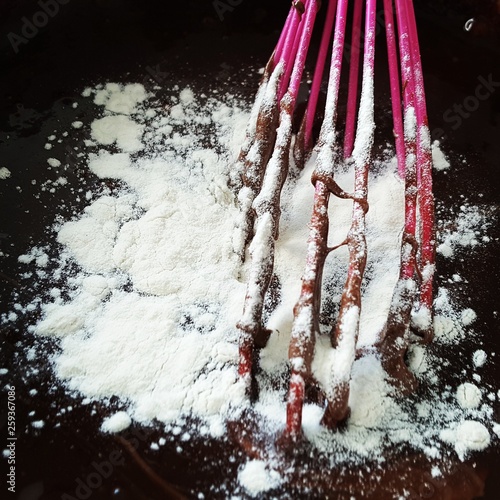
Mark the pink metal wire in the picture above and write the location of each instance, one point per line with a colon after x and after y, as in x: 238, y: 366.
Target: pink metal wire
x: 318, y: 73
x: 352, y: 96
x: 395, y: 87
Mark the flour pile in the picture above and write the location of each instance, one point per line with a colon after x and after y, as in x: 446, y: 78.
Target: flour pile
x: 150, y: 313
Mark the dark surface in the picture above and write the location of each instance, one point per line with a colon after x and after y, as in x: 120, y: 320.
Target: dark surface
x: 94, y: 41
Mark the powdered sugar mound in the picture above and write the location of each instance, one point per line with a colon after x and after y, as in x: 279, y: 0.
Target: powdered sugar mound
x: 98, y: 285
x: 479, y: 358
x: 384, y: 224
x: 37, y: 255
x: 369, y: 399
x: 450, y: 324
x: 469, y: 395
x: 384, y: 221
x: 195, y: 254
x: 257, y: 478
x: 439, y: 160
x: 468, y: 316
x: 182, y: 365
x: 167, y: 232
x: 107, y: 165
x: 122, y: 99
x: 117, y: 422
x: 54, y: 162
x: 91, y: 238
x: 186, y: 96
x: 469, y: 229
x: 61, y: 319
x: 4, y: 173
x: 421, y: 319
x: 468, y: 436
x: 118, y: 129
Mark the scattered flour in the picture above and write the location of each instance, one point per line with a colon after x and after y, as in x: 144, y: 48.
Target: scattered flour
x: 418, y: 362
x: 4, y: 173
x: 468, y: 436
x: 257, y: 478
x: 117, y: 422
x: 54, y: 162
x: 149, y: 313
x: 479, y: 358
x: 118, y: 129
x: 471, y: 222
x: 439, y: 160
x: 121, y: 99
x: 468, y: 316
x: 450, y: 324
x: 469, y: 395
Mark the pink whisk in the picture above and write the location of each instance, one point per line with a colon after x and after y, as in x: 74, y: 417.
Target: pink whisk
x: 264, y: 161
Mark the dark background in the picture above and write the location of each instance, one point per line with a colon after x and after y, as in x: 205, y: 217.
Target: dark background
x: 158, y: 42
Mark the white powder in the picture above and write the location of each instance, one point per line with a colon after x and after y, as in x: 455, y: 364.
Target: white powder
x: 421, y: 319
x: 468, y: 316
x: 368, y: 398
x: 439, y: 160
x: 54, y: 162
x: 417, y: 361
x: 121, y: 99
x: 257, y: 478
x: 117, y: 422
x: 37, y: 255
x: 62, y: 319
x: 120, y: 129
x: 384, y: 223
x: 108, y: 165
x: 186, y: 96
x: 468, y: 436
x: 450, y: 324
x: 4, y: 173
x: 91, y: 238
x: 469, y: 395
x: 470, y: 224
x: 98, y: 286
x: 149, y: 314
x: 479, y: 358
